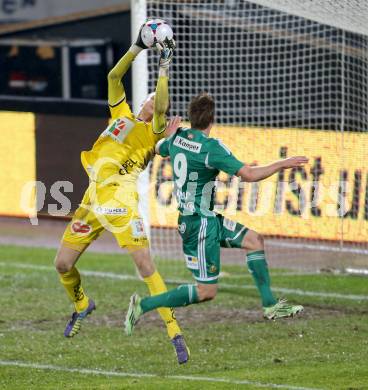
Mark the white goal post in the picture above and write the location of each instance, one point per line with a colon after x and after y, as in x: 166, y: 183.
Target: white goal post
x: 288, y: 77
x: 140, y: 93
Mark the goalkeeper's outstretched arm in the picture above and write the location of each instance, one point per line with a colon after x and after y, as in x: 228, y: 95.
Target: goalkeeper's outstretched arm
x: 162, y: 88
x: 161, y: 102
x: 116, y: 91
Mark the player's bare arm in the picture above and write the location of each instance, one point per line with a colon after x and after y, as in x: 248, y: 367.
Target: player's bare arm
x: 172, y: 125
x: 254, y: 173
x: 171, y: 128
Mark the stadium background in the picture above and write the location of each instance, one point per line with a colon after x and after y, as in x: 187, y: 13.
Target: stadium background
x: 45, y: 125
x: 294, y: 85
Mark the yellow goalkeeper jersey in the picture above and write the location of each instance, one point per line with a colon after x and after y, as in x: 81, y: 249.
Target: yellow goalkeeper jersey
x: 123, y: 149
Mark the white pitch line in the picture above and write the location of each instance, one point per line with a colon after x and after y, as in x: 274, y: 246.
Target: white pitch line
x: 97, y: 274
x: 318, y: 294
x: 317, y: 247
x: 110, y: 275
x: 226, y: 275
x: 357, y: 271
x: 87, y: 371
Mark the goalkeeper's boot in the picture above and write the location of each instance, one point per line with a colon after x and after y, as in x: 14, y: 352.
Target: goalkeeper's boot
x: 281, y: 309
x: 134, y: 313
x: 74, y: 325
x: 181, y: 349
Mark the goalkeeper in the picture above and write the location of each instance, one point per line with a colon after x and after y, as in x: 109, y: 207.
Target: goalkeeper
x: 196, y: 160
x: 113, y: 165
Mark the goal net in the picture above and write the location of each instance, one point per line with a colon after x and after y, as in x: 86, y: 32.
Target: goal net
x: 287, y: 80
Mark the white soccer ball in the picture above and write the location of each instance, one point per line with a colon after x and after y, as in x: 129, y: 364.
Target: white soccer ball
x: 156, y: 31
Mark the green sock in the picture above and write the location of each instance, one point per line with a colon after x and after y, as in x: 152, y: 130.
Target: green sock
x: 184, y: 295
x: 257, y: 266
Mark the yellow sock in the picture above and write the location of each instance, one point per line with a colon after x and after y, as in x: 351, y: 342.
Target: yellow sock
x: 72, y: 282
x: 157, y: 286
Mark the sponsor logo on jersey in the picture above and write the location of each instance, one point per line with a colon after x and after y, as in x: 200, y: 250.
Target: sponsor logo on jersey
x: 182, y: 228
x: 80, y: 227
x: 189, y: 206
x: 192, y: 262
x: 229, y: 224
x: 213, y: 269
x: 182, y: 197
x: 130, y: 163
x: 110, y: 210
x: 183, y: 143
x: 138, y: 228
x: 119, y: 129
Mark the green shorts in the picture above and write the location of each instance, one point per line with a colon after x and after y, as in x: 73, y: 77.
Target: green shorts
x: 202, y: 239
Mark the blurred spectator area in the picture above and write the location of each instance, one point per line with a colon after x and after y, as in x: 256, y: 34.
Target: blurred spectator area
x: 15, y: 11
x: 59, y: 65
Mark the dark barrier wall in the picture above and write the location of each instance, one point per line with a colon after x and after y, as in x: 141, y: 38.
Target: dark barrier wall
x: 59, y: 142
x: 110, y: 27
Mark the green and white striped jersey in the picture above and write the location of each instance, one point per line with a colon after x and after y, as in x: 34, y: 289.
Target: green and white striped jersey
x: 196, y: 161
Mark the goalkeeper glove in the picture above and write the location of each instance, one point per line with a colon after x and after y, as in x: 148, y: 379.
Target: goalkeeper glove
x: 166, y: 52
x: 139, y: 41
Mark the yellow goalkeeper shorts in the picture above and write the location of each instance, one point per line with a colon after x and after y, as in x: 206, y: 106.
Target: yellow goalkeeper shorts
x: 113, y: 208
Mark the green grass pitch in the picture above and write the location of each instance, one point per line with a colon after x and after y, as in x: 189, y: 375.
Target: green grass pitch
x: 231, y: 345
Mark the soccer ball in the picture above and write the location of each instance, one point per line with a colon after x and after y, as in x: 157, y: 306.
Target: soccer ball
x: 156, y: 31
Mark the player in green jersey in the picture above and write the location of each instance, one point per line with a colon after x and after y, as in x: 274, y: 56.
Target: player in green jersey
x: 196, y: 160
